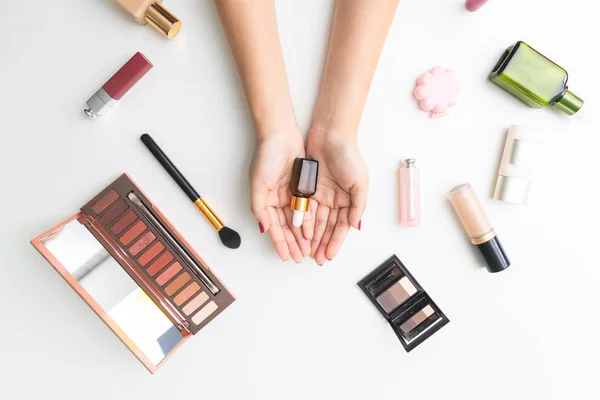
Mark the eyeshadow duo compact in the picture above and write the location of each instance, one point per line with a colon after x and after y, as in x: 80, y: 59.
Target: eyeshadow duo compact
x: 124, y: 259
x: 410, y: 311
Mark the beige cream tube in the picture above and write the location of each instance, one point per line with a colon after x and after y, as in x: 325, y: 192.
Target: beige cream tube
x: 477, y: 226
x: 471, y: 214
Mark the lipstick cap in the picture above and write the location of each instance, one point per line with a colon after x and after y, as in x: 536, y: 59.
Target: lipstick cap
x: 495, y: 257
x: 517, y: 166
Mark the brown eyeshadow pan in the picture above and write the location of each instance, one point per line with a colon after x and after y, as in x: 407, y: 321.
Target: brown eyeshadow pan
x: 105, y: 201
x: 152, y: 252
x: 397, y: 294
x: 133, y: 232
x: 417, y: 319
x: 169, y: 273
x: 124, y: 222
x: 160, y: 263
x: 116, y: 210
x: 178, y: 283
x: 186, y: 293
x: 142, y: 242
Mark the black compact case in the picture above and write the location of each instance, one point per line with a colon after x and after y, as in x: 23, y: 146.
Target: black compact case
x: 413, y: 315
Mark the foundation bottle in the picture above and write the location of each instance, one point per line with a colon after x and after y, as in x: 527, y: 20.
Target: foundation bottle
x: 152, y: 12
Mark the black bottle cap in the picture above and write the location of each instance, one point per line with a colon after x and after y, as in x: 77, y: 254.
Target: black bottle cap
x: 494, y: 255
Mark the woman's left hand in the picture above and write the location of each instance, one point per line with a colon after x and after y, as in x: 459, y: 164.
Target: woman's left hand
x: 341, y: 197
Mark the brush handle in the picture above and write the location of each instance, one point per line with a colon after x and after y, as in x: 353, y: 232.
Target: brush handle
x: 170, y: 167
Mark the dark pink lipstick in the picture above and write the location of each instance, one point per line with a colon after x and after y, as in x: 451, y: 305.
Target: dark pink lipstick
x: 119, y: 84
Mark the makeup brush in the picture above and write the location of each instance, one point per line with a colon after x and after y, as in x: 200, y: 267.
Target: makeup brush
x: 229, y: 237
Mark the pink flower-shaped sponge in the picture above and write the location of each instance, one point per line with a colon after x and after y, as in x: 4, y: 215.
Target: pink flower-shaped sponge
x: 437, y: 90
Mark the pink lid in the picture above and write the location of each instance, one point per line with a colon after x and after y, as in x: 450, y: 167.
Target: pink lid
x: 474, y: 5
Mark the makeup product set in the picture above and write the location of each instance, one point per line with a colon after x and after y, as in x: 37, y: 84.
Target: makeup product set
x: 411, y: 313
x: 145, y: 12
x: 137, y: 273
x: 130, y: 265
x: 535, y: 80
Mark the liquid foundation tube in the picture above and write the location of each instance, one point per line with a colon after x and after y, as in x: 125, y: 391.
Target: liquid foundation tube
x: 478, y: 227
x: 153, y: 13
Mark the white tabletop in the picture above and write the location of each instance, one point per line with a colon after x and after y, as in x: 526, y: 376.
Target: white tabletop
x: 303, y: 331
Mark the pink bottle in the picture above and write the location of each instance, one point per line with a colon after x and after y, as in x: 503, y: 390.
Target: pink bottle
x: 474, y: 5
x: 410, y: 197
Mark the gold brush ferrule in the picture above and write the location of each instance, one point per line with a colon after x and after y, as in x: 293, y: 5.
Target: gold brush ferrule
x: 299, y: 203
x: 209, y: 214
x: 162, y: 20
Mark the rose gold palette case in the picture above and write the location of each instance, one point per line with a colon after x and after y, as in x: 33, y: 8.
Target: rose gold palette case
x: 130, y: 265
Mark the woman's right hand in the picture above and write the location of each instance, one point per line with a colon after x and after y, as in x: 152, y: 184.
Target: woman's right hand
x: 270, y: 176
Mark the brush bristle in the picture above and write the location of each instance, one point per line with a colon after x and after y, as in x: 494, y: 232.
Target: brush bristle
x: 230, y: 238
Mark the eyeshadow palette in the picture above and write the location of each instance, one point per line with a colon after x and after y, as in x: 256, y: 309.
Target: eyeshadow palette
x: 410, y: 311
x: 120, y: 252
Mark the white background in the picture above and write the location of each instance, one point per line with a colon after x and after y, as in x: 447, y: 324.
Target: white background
x: 301, y: 331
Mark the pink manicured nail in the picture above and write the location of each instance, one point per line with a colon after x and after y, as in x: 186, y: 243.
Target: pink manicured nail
x: 359, y: 224
x: 261, y: 227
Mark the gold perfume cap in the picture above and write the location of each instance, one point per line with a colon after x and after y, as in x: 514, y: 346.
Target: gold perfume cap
x: 162, y: 20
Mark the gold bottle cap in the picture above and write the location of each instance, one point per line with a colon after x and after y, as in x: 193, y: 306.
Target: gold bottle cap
x: 299, y: 203
x: 162, y: 20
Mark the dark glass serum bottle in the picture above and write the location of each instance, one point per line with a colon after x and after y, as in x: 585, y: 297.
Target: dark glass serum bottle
x: 534, y: 79
x: 303, y: 185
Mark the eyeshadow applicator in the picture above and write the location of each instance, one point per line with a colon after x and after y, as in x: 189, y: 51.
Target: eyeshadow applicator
x: 229, y: 237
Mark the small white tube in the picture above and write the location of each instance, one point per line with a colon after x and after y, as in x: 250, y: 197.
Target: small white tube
x: 297, y: 219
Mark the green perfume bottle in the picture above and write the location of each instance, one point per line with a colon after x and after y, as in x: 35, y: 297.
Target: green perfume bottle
x: 534, y: 79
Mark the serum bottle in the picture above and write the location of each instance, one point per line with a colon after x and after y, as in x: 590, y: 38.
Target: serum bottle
x: 303, y: 185
x: 534, y: 79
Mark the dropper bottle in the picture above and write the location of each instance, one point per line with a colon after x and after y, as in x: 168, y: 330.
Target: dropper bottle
x: 303, y: 185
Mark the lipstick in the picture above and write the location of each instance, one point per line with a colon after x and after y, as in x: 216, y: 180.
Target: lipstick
x: 410, y: 208
x: 303, y: 186
x: 116, y: 87
x: 477, y: 226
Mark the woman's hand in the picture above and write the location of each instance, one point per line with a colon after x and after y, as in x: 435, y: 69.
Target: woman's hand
x: 270, y: 175
x: 341, y: 196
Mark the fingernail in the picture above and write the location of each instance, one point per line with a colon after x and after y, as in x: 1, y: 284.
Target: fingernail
x: 359, y: 224
x: 261, y: 227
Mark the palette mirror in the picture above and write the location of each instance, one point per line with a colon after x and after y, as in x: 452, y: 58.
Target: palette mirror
x: 115, y: 292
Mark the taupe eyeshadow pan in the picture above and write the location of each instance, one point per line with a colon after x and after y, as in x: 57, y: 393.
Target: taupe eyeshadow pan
x: 397, y: 294
x: 417, y: 319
